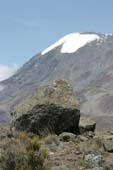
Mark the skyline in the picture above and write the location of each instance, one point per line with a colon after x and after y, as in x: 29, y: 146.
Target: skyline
x: 28, y: 27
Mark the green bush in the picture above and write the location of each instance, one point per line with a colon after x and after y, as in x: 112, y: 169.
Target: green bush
x: 83, y: 163
x: 24, y: 155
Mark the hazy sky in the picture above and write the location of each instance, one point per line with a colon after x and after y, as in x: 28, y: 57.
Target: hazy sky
x: 28, y: 26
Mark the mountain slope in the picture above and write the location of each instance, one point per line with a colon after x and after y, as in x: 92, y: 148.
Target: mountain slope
x: 85, y: 59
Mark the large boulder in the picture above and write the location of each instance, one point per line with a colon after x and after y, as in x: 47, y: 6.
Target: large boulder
x: 52, y: 108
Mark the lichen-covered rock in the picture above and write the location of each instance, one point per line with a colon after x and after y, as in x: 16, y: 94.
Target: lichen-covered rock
x: 66, y: 137
x: 52, y: 108
x: 86, y: 124
x: 95, y: 161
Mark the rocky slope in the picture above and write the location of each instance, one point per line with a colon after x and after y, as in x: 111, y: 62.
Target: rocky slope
x: 54, y: 108
x: 85, y: 59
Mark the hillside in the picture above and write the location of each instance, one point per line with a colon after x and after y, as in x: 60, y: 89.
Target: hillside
x: 48, y: 133
x: 88, y: 66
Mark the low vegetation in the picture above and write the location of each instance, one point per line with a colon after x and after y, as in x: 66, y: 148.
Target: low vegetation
x: 21, y: 151
x: 81, y: 163
x: 66, y: 142
x: 24, y: 153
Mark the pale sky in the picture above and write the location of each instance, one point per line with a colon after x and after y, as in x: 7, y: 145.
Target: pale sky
x: 29, y: 26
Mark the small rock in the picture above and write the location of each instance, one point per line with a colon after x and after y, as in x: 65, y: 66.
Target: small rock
x: 95, y: 160
x: 86, y: 124
x: 10, y: 135
x: 66, y: 136
x: 82, y: 138
x: 108, y: 145
x: 108, y: 165
x: 51, y: 153
x: 90, y: 134
x: 108, y: 137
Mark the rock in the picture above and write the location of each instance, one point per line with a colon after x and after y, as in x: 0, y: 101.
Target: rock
x: 86, y: 124
x: 66, y: 136
x: 95, y: 161
x: 108, y: 164
x: 108, y: 137
x: 52, y: 108
x: 90, y: 134
x: 108, y: 145
x: 107, y: 141
x: 5, y: 132
x: 82, y: 138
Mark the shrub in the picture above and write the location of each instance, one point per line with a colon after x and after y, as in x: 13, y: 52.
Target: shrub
x: 83, y: 163
x: 24, y: 153
x: 34, y: 144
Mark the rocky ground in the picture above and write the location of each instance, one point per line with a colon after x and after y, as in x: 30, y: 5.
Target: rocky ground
x: 48, y: 133
x: 87, y: 151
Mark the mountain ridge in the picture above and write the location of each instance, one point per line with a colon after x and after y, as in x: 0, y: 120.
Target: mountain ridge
x: 89, y: 70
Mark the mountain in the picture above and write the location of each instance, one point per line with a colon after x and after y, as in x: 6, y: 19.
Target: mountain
x: 84, y: 59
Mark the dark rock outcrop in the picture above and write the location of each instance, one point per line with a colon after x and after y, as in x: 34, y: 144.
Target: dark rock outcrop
x: 52, y: 108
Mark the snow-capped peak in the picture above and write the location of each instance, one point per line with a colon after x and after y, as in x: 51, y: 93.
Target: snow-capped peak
x: 72, y: 42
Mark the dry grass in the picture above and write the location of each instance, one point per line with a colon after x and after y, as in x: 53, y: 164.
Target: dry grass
x: 51, y: 139
x: 31, y: 152
x: 24, y: 153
